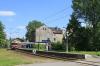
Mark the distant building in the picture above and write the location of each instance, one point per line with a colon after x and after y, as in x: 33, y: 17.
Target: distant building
x: 16, y: 40
x: 44, y: 33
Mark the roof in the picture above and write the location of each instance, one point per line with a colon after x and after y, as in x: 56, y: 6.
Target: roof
x: 16, y: 41
x: 56, y: 30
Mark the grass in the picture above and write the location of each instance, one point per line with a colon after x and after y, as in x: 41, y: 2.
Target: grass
x: 11, y: 58
x: 80, y: 52
x: 87, y: 52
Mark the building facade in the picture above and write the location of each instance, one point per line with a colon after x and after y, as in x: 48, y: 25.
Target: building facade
x: 44, y: 33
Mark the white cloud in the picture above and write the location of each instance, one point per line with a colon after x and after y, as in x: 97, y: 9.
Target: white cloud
x: 21, y: 27
x: 7, y: 13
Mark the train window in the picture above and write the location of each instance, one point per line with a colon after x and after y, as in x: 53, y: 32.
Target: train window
x: 31, y: 46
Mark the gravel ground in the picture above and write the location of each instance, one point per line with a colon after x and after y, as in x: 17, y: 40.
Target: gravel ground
x: 66, y: 63
x: 55, y: 64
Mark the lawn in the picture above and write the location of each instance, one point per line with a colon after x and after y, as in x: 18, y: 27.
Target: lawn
x: 80, y: 52
x: 87, y: 52
x: 11, y: 58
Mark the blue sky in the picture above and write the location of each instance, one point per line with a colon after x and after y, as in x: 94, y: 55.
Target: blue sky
x: 15, y: 14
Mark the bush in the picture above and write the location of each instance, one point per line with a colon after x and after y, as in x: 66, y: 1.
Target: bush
x: 57, y: 46
x: 41, y: 47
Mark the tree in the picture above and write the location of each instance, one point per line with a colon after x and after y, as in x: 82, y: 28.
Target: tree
x: 78, y: 36
x: 83, y: 39
x: 31, y: 27
x: 88, y: 10
x: 2, y: 35
x: 20, y: 39
x: 97, y: 39
x: 73, y: 28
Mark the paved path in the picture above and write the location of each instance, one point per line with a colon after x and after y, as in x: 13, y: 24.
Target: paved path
x: 95, y: 62
x: 53, y: 64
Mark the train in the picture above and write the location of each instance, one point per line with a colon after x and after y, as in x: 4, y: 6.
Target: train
x: 40, y: 46
x: 14, y: 46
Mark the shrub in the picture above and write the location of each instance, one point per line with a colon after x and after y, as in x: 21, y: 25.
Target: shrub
x: 57, y: 46
x: 41, y: 47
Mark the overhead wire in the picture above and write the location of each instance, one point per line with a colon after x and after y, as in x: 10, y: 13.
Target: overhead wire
x: 55, y: 14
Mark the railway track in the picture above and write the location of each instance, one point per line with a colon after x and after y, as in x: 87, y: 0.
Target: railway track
x: 79, y: 61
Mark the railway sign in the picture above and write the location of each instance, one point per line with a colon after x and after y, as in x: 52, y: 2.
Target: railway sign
x: 34, y: 51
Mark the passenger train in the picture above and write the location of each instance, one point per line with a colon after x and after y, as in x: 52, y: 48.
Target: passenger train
x: 41, y: 46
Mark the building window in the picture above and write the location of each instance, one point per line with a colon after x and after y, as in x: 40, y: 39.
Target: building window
x: 44, y: 28
x: 48, y: 38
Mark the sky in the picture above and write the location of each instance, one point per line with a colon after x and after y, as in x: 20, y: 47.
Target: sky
x: 16, y: 14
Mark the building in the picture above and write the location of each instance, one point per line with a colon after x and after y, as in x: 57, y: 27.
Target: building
x: 44, y: 33
x: 16, y: 41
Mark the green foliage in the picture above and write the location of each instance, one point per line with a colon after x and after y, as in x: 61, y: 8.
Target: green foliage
x: 2, y: 36
x: 88, y: 11
x: 57, y: 46
x: 31, y: 27
x: 79, y: 37
x: 20, y: 39
x: 10, y: 58
x: 83, y: 39
x: 97, y: 38
x: 40, y: 47
x: 87, y: 52
x: 73, y: 29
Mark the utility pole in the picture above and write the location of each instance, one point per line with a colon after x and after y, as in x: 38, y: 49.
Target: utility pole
x: 9, y: 45
x: 67, y: 34
x: 66, y: 39
x: 39, y: 41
